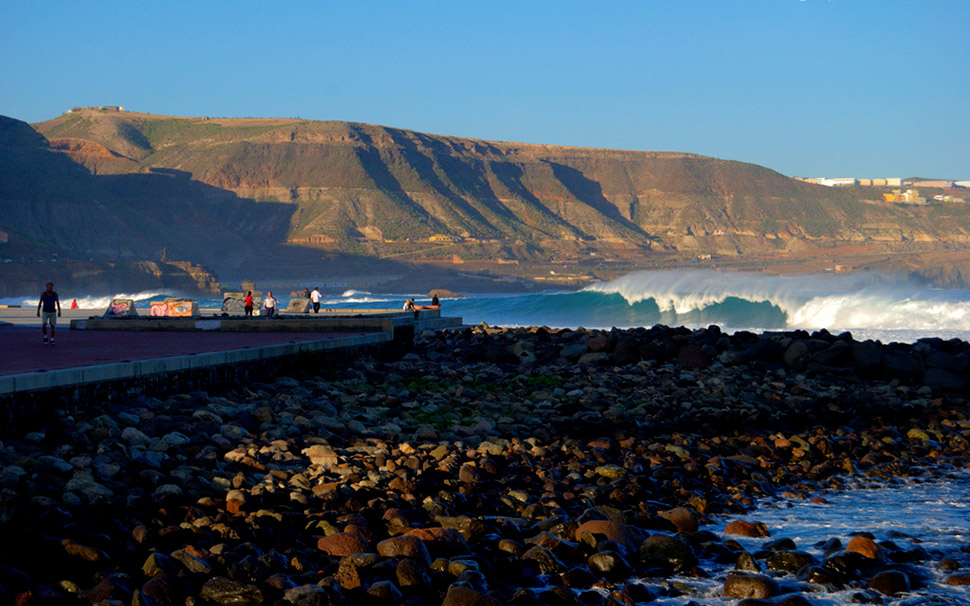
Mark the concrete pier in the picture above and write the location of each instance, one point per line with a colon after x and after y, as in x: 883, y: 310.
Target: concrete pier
x: 108, y: 359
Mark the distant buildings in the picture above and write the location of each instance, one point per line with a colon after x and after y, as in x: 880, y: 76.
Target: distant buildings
x: 898, y: 196
x: 103, y: 108
x: 910, y: 196
x: 849, y: 181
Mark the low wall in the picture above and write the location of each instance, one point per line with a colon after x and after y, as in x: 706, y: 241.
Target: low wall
x: 36, y: 396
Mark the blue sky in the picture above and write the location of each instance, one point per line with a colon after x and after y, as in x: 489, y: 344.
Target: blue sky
x: 808, y: 88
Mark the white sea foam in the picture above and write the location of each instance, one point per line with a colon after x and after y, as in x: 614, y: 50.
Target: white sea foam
x: 86, y: 302
x: 832, y: 301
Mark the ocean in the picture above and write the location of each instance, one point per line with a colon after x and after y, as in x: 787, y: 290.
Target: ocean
x: 878, y: 306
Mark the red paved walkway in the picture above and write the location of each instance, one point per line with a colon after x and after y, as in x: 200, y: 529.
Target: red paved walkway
x: 22, y: 349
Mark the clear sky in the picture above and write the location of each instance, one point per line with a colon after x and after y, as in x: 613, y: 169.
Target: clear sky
x: 809, y: 88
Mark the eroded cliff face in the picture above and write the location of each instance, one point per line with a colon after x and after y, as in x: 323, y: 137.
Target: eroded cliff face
x: 75, y: 278
x: 385, y: 192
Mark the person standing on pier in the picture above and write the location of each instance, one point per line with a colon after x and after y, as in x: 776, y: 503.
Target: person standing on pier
x: 50, y: 304
x: 269, y: 305
x: 248, y: 303
x: 315, y: 299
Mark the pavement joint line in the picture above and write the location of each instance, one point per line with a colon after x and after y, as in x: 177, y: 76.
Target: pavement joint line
x: 81, y: 375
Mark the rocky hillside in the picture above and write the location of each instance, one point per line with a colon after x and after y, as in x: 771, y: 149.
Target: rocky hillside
x: 374, y: 191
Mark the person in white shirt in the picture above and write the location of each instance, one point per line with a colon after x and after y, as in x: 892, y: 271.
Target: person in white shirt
x: 315, y: 299
x: 269, y: 305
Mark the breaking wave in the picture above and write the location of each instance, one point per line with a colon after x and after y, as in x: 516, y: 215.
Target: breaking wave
x: 872, y: 305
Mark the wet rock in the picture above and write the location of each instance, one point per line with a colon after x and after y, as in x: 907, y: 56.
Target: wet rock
x: 863, y: 546
x: 225, y: 592
x: 609, y: 565
x: 667, y: 552
x: 847, y: 564
x: 441, y: 541
x: 410, y: 573
x: 788, y: 561
x: 745, y: 528
x: 747, y: 585
x: 890, y: 582
x: 629, y: 536
x: 821, y: 576
x: 81, y: 552
x: 165, y: 589
x: 544, y: 559
x: 461, y: 595
x: 782, y: 600
x: 385, y: 592
x: 342, y: 544
x: 747, y: 563
x: 683, y: 518
x: 408, y: 546
x: 960, y: 578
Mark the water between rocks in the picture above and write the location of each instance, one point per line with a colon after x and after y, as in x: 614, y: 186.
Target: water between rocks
x: 934, y: 511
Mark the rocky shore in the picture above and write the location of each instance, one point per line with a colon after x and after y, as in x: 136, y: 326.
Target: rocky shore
x: 490, y: 466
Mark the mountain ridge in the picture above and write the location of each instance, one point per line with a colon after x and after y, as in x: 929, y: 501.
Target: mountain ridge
x: 368, y: 191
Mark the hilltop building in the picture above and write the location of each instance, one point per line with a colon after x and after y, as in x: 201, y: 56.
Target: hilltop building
x: 103, y: 108
x: 910, y: 196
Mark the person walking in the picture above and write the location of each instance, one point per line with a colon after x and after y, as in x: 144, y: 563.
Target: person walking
x: 50, y: 305
x: 315, y: 299
x: 269, y: 304
x: 248, y: 303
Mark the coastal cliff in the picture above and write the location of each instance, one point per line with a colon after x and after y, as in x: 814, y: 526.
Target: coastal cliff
x: 305, y: 192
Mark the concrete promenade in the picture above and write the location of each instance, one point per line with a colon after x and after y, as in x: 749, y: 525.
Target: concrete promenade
x: 111, y: 358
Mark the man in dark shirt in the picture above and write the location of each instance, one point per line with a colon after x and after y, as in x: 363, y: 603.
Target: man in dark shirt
x: 50, y: 303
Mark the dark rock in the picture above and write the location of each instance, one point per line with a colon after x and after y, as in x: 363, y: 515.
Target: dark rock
x: 867, y: 356
x: 821, y: 576
x: 225, y: 592
x: 939, y: 379
x: 629, y: 536
x: 385, y: 592
x: 792, y: 599
x: 165, y: 589
x: 788, y: 561
x: 408, y: 546
x: 441, y: 541
x: 890, y: 582
x: 960, y: 578
x: 847, y: 564
x: 578, y: 577
x: 747, y: 529
x: 681, y: 517
x: 796, y: 355
x: 667, y: 552
x: 746, y: 585
x: 544, y: 559
x: 693, y: 356
x: 900, y: 364
x: 747, y: 563
x: 460, y: 595
x: 863, y: 546
x: 111, y: 587
x: 609, y: 565
x: 410, y: 573
x: 342, y: 544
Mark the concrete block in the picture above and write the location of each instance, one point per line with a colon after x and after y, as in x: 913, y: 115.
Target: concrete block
x: 298, y: 306
x: 121, y: 308
x: 106, y: 372
x: 8, y: 384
